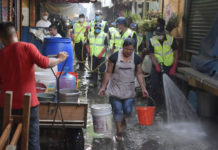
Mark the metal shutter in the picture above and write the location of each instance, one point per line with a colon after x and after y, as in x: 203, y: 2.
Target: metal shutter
x: 202, y: 14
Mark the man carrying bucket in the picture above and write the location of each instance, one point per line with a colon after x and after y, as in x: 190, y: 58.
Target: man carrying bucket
x: 123, y: 67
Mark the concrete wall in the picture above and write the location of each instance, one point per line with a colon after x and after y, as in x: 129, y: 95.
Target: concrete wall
x: 25, y: 12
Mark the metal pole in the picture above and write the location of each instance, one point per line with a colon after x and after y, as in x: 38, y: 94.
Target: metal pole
x: 145, y: 8
x: 162, y: 7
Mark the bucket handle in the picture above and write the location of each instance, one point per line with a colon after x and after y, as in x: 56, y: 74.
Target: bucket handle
x: 150, y: 98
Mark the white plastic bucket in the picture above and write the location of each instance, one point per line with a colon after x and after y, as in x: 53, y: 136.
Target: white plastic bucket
x: 38, y: 69
x: 48, y: 79
x: 102, y: 118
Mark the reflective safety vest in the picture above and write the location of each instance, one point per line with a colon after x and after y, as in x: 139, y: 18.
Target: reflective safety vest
x: 79, y: 31
x: 119, y: 40
x: 139, y: 41
x: 92, y: 25
x: 164, y: 54
x: 112, y: 31
x: 97, y: 43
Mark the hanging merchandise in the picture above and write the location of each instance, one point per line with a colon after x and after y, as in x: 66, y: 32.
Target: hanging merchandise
x: 106, y: 3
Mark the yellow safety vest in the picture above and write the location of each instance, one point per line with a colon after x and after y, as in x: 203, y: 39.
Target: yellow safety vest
x: 164, y: 54
x: 112, y: 31
x: 79, y: 31
x: 139, y: 41
x: 119, y: 40
x: 92, y: 25
x: 97, y: 43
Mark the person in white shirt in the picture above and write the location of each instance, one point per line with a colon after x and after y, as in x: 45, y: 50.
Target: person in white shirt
x: 44, y: 21
x: 53, y: 31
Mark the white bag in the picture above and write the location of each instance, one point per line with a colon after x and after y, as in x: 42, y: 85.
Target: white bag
x: 147, y: 64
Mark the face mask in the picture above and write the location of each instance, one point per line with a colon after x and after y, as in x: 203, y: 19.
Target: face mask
x: 97, y: 18
x: 81, y: 19
x: 67, y: 23
x: 97, y: 30
x: 160, y: 37
x: 45, y: 17
x: 119, y: 30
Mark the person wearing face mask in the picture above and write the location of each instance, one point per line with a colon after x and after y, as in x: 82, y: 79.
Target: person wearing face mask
x: 123, y: 33
x: 80, y: 30
x: 112, y: 32
x: 99, y: 19
x: 134, y: 27
x: 98, y: 43
x: 44, y: 23
x: 119, y: 83
x: 17, y: 74
x: 164, y: 55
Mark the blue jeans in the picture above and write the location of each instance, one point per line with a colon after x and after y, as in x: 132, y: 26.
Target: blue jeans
x: 121, y: 107
x: 34, y: 126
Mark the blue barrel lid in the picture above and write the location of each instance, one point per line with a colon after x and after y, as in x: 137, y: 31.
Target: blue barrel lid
x: 57, y: 40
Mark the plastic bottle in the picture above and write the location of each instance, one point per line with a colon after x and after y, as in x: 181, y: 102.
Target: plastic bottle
x: 67, y: 81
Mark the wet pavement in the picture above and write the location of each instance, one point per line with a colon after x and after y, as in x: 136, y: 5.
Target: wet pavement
x: 200, y: 135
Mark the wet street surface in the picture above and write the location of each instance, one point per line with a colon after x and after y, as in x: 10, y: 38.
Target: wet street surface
x: 202, y: 135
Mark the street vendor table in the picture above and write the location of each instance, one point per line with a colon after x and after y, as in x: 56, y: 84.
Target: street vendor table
x: 74, y: 114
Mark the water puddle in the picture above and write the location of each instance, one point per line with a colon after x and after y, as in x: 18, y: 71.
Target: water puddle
x: 189, y: 130
x: 183, y: 131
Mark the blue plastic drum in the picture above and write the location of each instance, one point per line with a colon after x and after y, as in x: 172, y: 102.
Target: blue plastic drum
x: 52, y: 46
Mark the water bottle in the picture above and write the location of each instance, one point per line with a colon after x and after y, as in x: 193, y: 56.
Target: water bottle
x: 67, y: 81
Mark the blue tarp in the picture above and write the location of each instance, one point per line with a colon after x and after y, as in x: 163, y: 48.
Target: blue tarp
x: 207, y: 61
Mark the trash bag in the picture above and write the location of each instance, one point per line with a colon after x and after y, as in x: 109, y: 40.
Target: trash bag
x: 147, y: 65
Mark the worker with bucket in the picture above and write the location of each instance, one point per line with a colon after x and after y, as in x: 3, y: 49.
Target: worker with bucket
x: 123, y: 67
x: 96, y: 45
x: 164, y: 55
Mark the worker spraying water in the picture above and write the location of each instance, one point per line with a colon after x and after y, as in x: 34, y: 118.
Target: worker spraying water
x: 164, y: 55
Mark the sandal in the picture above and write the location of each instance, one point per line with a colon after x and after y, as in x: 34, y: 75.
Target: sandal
x: 119, y: 137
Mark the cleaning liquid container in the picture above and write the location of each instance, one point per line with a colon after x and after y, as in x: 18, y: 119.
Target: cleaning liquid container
x: 102, y: 118
x: 67, y: 81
